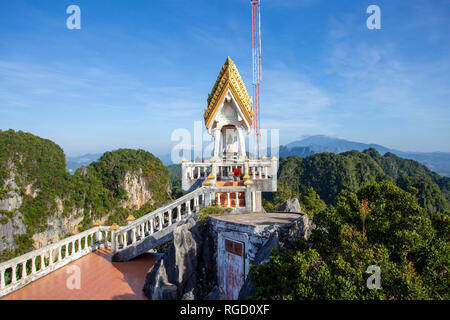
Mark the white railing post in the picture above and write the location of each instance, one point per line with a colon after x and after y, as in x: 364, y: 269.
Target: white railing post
x: 13, y: 274
x: 59, y: 254
x: 178, y: 213
x: 50, y: 256
x: 152, y: 229
x: 98, y: 236
x: 188, y: 208
x: 33, y: 265
x: 237, y: 199
x: 218, y: 199
x: 170, y: 217
x: 124, y: 237
x: 24, y: 269
x: 133, y: 235
x: 228, y: 200
x: 207, y: 199
x: 2, y: 279
x: 114, y: 244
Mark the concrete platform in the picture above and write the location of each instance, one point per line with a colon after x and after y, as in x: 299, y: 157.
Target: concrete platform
x: 101, y: 279
x: 259, y: 219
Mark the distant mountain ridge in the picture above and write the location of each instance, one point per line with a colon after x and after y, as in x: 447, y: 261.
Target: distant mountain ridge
x: 73, y: 163
x: 329, y: 173
x: 435, y: 161
x: 438, y: 162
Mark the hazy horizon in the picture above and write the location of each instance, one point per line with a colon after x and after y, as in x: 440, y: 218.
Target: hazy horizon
x: 137, y: 71
x: 300, y: 138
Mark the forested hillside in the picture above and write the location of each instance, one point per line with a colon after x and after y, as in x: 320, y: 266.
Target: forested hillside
x: 329, y: 173
x: 40, y: 202
x: 436, y: 161
x: 369, y: 210
x: 381, y: 225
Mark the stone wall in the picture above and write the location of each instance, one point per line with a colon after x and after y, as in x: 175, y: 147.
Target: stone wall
x: 189, y: 269
x: 186, y: 270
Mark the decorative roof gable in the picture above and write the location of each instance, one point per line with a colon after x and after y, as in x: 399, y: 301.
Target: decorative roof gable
x: 229, y: 78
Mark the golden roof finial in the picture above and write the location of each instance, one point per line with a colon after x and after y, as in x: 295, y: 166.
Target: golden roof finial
x: 229, y: 78
x: 248, y: 182
x: 183, y: 159
x: 97, y: 223
x: 114, y: 227
x: 130, y: 218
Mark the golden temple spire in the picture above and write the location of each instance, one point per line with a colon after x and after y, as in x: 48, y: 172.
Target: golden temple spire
x: 229, y: 79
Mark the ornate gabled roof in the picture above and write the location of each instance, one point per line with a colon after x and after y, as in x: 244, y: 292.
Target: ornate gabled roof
x: 229, y: 78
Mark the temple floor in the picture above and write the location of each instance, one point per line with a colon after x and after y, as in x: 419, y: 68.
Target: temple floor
x: 101, y: 279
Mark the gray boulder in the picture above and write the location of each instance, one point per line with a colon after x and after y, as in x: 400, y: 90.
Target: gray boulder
x: 215, y: 294
x: 175, y: 274
x: 291, y: 205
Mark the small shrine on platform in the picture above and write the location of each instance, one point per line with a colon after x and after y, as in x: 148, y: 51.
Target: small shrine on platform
x: 235, y: 179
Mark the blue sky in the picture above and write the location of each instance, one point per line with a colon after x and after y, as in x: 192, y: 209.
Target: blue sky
x: 137, y: 70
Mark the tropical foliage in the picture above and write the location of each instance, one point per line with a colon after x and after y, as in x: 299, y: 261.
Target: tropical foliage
x: 96, y: 190
x: 329, y: 173
x: 379, y: 225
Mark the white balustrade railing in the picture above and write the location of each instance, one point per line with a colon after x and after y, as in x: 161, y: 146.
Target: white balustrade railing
x: 20, y: 271
x: 197, y: 170
x: 158, y: 220
x: 261, y: 170
x: 233, y: 195
x: 256, y: 169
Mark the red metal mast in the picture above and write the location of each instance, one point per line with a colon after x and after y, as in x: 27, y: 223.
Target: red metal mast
x: 256, y: 64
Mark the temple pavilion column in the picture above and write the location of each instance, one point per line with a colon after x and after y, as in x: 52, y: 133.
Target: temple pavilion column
x: 217, y: 136
x: 241, y: 138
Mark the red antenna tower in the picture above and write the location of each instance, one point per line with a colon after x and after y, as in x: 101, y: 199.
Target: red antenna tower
x: 256, y: 56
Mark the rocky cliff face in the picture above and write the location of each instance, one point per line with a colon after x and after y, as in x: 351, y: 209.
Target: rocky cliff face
x: 41, y: 203
x: 189, y: 268
x: 12, y: 224
x: 186, y: 271
x: 58, y: 227
x: 60, y: 223
x: 138, y: 191
x: 10, y: 218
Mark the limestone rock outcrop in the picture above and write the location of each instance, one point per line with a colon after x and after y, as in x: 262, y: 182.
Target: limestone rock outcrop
x: 188, y: 270
x: 138, y: 191
x: 291, y: 205
x: 11, y: 220
x: 41, y: 204
x: 184, y: 271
